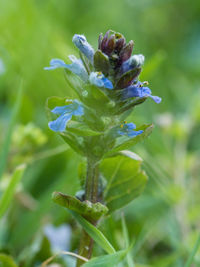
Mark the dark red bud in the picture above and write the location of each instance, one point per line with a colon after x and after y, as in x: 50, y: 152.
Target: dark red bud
x: 110, y: 44
x: 104, y: 41
x: 119, y: 45
x: 100, y: 40
x: 126, y: 52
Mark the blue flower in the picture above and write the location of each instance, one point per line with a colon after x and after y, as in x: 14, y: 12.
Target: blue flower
x: 139, y: 90
x: 82, y: 44
x: 76, y: 66
x: 98, y: 79
x: 66, y: 112
x: 128, y: 129
x: 132, y: 62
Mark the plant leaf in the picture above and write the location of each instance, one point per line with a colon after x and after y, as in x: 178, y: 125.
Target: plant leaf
x: 126, y: 180
x: 126, y: 239
x: 86, y: 208
x: 101, y: 62
x: 127, y: 142
x: 10, y: 190
x: 81, y: 129
x: 74, y: 82
x: 95, y: 233
x: 7, y: 141
x: 6, y: 260
x: 106, y: 260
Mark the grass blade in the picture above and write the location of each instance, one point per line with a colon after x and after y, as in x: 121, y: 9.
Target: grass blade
x: 194, y: 251
x: 10, y: 190
x: 6, y: 143
x: 126, y: 238
x: 95, y: 233
x: 106, y: 260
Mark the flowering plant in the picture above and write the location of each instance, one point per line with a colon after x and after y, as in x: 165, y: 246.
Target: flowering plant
x: 107, y: 85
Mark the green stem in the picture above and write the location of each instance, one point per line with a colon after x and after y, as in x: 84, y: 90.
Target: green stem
x: 91, y: 194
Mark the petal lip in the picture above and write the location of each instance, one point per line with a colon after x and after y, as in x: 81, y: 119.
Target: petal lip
x: 76, y: 66
x: 100, y: 80
x: 127, y: 129
x: 139, y: 90
x: 66, y: 112
x: 59, y: 125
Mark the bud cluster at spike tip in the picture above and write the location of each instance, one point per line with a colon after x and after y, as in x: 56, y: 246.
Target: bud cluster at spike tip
x: 112, y: 68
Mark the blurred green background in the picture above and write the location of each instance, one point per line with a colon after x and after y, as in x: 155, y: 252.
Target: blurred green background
x: 165, y: 220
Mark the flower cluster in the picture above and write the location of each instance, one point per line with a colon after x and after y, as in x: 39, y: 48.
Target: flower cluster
x: 113, y: 70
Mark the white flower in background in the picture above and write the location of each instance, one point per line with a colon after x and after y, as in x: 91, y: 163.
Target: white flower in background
x: 59, y: 237
x: 2, y: 67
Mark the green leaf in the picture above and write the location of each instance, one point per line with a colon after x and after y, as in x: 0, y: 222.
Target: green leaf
x: 10, y: 190
x: 74, y: 142
x: 74, y: 82
x: 81, y: 129
x: 126, y: 180
x: 96, y: 96
x: 107, y: 260
x: 127, y: 142
x: 6, y: 261
x: 126, y: 239
x: 94, y: 233
x: 101, y: 62
x: 6, y: 144
x: 193, y: 253
x: 86, y: 208
x: 126, y: 79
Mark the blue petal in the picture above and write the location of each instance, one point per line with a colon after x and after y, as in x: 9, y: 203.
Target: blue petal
x: 107, y: 83
x: 134, y: 133
x: 78, y: 109
x: 157, y: 99
x: 130, y: 126
x: 76, y: 67
x: 100, y: 80
x: 82, y: 44
x: 128, y: 130
x: 74, y: 108
x: 56, y: 63
x: 60, y: 123
x: 132, y: 62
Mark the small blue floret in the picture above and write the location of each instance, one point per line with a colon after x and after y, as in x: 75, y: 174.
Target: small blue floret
x: 98, y: 79
x: 139, y: 90
x: 66, y: 112
x: 128, y: 130
x: 82, y: 44
x: 76, y: 66
x: 132, y: 62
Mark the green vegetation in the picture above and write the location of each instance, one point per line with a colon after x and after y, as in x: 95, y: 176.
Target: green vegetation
x: 161, y: 227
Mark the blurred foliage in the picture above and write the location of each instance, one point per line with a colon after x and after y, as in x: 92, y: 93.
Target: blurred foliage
x: 165, y: 220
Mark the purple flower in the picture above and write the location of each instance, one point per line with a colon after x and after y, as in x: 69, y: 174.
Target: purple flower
x: 128, y: 130
x: 139, y: 90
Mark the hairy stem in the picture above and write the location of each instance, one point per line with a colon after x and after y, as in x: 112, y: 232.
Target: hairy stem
x: 91, y: 194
